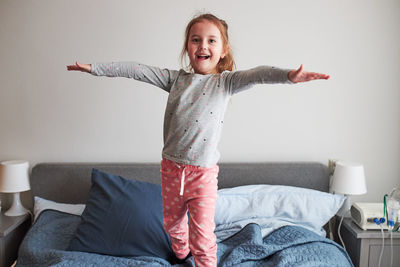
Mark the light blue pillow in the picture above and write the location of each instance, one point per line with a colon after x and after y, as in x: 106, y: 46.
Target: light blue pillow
x: 274, y: 206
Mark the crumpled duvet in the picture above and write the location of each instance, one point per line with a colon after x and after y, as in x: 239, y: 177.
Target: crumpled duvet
x: 46, y: 242
x: 286, y: 246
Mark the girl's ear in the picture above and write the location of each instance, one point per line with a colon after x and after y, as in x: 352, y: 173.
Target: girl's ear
x: 226, y: 50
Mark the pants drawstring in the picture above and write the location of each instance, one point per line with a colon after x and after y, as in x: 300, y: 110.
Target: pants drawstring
x: 182, y: 182
x: 182, y: 179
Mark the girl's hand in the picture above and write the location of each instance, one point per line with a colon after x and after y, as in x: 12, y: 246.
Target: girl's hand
x: 298, y: 76
x: 80, y: 67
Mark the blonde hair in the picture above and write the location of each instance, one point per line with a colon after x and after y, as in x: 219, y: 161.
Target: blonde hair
x: 226, y: 63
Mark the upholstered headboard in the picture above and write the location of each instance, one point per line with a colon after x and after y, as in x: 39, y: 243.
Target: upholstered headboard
x: 70, y: 182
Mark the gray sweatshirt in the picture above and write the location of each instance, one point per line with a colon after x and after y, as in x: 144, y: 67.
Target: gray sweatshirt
x: 194, y: 115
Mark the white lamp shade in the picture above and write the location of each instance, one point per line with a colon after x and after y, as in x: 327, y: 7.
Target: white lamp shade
x: 349, y: 179
x: 14, y: 176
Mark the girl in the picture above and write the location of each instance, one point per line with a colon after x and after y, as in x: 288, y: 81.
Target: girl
x: 193, y: 123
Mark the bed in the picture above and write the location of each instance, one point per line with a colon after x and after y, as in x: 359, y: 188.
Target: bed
x: 109, y: 214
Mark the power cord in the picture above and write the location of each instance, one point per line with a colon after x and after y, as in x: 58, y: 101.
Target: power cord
x: 395, y: 229
x: 383, y: 246
x: 380, y: 222
x: 391, y: 248
x: 340, y: 237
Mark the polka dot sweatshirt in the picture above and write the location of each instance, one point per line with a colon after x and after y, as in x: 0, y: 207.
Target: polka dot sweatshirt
x: 194, y: 115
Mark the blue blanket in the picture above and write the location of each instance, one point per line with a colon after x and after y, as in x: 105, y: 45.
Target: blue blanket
x: 286, y: 246
x: 46, y: 242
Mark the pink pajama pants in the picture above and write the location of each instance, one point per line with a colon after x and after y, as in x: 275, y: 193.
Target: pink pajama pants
x: 194, y: 189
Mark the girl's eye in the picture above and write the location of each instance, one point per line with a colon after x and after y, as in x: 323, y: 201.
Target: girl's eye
x: 212, y: 41
x: 195, y: 40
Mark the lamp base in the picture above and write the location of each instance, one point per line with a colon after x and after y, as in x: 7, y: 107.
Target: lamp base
x: 16, y: 209
x: 345, y: 209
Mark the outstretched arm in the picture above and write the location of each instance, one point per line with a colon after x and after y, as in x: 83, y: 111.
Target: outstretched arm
x: 238, y: 81
x: 162, y: 78
x: 299, y: 75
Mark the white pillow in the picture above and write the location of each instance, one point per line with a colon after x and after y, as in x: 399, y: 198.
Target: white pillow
x: 273, y: 206
x: 42, y: 204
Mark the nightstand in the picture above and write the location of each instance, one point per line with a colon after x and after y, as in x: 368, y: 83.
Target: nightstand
x: 12, y: 231
x: 364, y: 247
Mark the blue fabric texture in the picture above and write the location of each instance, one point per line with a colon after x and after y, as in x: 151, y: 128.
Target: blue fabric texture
x: 286, y: 246
x: 46, y: 242
x: 122, y: 218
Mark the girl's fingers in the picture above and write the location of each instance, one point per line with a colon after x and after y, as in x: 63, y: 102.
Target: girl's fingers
x: 80, y: 67
x: 309, y: 76
x: 320, y: 76
x: 72, y: 67
x: 301, y: 68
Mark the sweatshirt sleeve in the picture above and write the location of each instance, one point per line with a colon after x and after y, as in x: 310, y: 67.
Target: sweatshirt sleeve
x: 238, y: 81
x: 162, y: 78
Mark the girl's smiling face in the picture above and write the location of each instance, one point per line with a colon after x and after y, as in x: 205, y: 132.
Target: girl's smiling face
x: 205, y: 47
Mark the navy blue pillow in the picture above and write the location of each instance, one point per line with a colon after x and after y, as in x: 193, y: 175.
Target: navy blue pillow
x: 122, y: 218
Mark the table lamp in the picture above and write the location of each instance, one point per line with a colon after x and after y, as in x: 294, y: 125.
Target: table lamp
x: 14, y: 178
x: 348, y: 179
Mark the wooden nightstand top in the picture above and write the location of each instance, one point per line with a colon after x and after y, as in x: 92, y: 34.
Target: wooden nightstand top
x: 8, y: 223
x: 360, y: 233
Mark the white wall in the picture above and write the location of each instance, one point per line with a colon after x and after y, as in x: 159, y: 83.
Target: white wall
x: 48, y: 114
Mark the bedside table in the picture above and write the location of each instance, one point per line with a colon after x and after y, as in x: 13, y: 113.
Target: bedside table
x: 12, y: 231
x: 364, y: 247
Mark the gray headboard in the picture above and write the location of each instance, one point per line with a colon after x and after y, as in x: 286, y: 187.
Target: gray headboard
x: 70, y: 182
